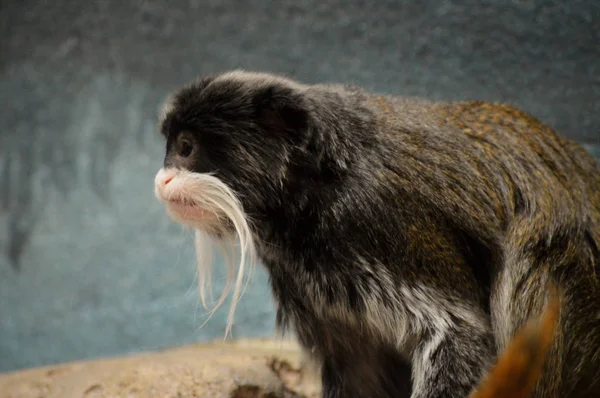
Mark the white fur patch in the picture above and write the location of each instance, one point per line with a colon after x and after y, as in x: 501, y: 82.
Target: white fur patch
x: 205, y: 203
x: 432, y: 310
x: 258, y: 79
x: 421, y: 364
x: 166, y: 108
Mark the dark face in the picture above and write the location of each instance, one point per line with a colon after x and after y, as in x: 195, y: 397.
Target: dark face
x: 245, y: 133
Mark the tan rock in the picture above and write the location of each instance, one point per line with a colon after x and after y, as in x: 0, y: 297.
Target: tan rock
x: 238, y: 369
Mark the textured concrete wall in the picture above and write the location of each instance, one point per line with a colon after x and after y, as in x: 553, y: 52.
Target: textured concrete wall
x: 89, y: 264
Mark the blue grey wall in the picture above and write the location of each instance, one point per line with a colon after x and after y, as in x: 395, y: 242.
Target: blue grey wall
x: 89, y: 263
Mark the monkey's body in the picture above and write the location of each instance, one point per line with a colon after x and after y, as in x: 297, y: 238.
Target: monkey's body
x: 399, y: 232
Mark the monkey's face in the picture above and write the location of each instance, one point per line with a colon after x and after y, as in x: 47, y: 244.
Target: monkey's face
x: 229, y: 143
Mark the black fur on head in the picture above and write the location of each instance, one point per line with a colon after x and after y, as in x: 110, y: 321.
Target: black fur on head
x: 242, y: 131
x: 251, y: 129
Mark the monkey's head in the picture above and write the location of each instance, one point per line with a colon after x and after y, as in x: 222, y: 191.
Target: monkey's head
x: 230, y: 141
x: 234, y: 143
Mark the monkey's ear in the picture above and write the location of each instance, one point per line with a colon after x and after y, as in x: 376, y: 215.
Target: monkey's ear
x: 281, y: 110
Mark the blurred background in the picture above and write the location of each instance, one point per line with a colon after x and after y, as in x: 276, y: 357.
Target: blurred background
x: 90, y: 265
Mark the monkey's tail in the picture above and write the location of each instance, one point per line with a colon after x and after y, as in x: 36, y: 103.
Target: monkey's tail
x: 520, y: 366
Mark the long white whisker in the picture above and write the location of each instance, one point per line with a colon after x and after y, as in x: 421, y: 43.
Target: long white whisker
x: 204, y: 248
x: 212, y: 196
x: 224, y: 209
x: 246, y: 250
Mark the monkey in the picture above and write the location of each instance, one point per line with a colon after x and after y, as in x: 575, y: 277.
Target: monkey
x: 406, y: 240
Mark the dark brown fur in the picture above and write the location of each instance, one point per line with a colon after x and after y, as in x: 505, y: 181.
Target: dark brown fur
x: 407, y: 241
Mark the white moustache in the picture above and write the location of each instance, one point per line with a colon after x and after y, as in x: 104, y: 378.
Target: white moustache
x: 210, y: 207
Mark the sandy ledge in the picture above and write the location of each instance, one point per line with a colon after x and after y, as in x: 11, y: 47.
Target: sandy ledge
x: 237, y: 369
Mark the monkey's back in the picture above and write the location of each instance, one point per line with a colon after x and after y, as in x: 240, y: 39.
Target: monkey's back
x: 512, y: 181
x: 545, y: 161
x: 519, y: 163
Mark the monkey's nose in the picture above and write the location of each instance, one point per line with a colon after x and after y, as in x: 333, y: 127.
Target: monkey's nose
x: 164, y: 177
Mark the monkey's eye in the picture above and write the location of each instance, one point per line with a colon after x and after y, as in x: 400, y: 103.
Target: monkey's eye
x: 185, y: 146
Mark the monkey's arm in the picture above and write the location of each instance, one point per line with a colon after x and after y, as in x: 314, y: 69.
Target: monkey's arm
x: 452, y: 355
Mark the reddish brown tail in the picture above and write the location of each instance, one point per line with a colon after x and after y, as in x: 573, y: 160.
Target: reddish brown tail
x: 520, y: 366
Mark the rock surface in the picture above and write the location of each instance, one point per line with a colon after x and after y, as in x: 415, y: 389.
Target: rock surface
x: 239, y: 369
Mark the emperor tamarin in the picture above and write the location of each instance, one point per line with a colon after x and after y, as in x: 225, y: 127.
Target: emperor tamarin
x: 405, y: 239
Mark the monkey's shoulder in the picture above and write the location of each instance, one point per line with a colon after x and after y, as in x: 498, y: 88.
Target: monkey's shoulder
x: 468, y: 119
x: 486, y: 130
